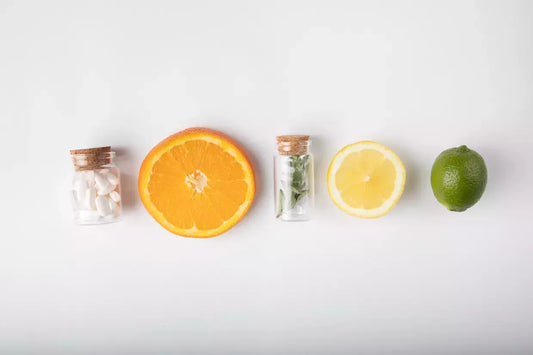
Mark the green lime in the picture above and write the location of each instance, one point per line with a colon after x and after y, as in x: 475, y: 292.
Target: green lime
x: 458, y: 178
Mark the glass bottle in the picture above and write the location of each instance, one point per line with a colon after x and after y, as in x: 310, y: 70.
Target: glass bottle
x: 293, y: 178
x: 95, y: 190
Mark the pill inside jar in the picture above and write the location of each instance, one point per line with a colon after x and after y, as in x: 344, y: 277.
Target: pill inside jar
x: 95, y: 190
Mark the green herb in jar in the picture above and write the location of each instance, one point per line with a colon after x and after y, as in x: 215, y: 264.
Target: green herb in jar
x: 293, y: 178
x: 296, y: 186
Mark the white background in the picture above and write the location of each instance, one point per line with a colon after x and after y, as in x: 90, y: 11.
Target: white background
x: 419, y: 77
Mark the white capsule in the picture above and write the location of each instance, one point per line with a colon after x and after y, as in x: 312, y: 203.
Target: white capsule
x: 115, y: 196
x: 100, y: 180
x: 113, y: 180
x: 112, y: 206
x: 80, y: 191
x: 83, y: 197
x: 88, y: 177
x: 102, y: 184
x: 102, y: 206
x: 83, y: 179
x: 79, y: 185
x: 88, y: 200
x: 106, y: 191
x: 77, y: 180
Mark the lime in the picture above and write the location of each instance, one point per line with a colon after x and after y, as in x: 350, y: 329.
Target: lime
x: 458, y: 178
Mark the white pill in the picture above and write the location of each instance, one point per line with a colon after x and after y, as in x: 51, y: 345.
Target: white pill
x: 102, y: 206
x: 112, y: 206
x: 79, y: 185
x: 90, y: 196
x: 83, y: 196
x: 88, y: 216
x: 115, y: 196
x: 100, y: 180
x: 105, y: 191
x: 80, y: 191
x: 83, y: 179
x: 103, y: 186
x: 88, y: 176
x: 112, y: 179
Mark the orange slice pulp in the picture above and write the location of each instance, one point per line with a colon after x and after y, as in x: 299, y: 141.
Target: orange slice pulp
x: 197, y: 183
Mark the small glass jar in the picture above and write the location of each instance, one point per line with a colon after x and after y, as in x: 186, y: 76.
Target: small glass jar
x: 95, y: 191
x: 293, y: 178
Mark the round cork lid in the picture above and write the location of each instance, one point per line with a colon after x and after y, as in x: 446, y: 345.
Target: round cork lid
x: 90, y: 158
x: 295, y: 144
x: 95, y: 151
x: 293, y: 138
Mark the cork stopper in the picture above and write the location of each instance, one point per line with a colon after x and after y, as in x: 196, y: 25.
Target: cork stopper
x: 91, y: 158
x: 293, y: 144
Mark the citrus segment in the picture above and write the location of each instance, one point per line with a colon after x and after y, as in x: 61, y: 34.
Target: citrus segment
x: 197, y: 183
x: 366, y: 179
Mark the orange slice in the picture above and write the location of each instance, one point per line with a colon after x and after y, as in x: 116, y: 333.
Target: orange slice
x: 197, y: 183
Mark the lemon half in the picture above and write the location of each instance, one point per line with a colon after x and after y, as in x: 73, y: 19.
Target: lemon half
x: 366, y: 179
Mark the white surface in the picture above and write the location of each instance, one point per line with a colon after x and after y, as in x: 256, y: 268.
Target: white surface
x: 419, y: 77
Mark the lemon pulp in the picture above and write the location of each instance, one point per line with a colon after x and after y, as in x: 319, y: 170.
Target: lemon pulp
x: 366, y: 179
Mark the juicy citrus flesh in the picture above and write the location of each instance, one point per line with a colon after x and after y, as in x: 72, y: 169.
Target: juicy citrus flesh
x: 366, y: 179
x: 197, y: 183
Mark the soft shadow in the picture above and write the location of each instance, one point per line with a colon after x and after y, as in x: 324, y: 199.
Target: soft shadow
x: 129, y: 191
x: 500, y: 169
x: 128, y: 177
x: 321, y: 163
x: 414, y: 173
